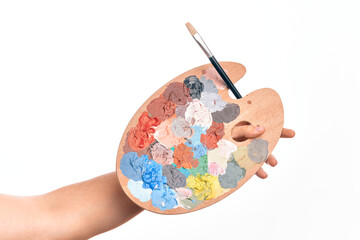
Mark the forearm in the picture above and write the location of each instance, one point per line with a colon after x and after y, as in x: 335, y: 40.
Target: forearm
x: 77, y: 211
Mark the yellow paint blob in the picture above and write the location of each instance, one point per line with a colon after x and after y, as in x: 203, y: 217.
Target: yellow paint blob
x: 204, y: 186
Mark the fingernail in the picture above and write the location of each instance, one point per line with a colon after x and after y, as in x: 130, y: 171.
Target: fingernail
x: 259, y: 128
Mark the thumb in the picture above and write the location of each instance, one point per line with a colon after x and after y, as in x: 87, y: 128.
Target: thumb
x: 241, y: 133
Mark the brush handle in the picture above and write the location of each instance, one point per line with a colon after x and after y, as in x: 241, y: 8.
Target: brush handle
x: 223, y: 75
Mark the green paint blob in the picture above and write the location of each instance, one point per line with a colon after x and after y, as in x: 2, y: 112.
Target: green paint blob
x: 202, y: 168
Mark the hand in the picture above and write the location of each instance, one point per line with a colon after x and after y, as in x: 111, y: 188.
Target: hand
x: 250, y: 132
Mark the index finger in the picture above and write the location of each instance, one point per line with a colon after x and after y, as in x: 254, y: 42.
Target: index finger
x: 287, y: 133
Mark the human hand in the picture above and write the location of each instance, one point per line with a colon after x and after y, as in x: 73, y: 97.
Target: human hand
x: 249, y: 132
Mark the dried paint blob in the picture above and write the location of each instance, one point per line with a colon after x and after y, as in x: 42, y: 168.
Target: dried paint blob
x: 180, y: 110
x: 204, y: 186
x: 229, y: 113
x: 258, y: 150
x: 132, y: 166
x: 183, y: 157
x: 142, y: 135
x: 138, y: 191
x: 234, y: 173
x: 195, y: 86
x: 209, y: 85
x: 198, y: 150
x: 164, y: 135
x: 175, y: 179
x: 215, y: 169
x: 153, y: 176
x: 181, y: 128
x: 226, y: 147
x: 178, y: 93
x: 213, y: 135
x: 197, y: 114
x: 164, y: 198
x: 212, y: 101
x: 161, y: 108
x: 215, y: 156
x: 198, y: 131
x: 161, y: 154
x: 242, y: 158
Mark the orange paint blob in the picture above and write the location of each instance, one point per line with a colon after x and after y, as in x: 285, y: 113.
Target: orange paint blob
x: 213, y: 135
x: 183, y: 157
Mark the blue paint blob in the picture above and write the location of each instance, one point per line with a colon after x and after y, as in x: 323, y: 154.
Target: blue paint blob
x: 164, y: 198
x: 133, y: 166
x: 153, y: 176
x: 198, y: 150
x: 137, y: 190
x: 195, y: 139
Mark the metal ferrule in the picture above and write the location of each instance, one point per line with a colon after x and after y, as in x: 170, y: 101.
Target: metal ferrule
x: 202, y: 44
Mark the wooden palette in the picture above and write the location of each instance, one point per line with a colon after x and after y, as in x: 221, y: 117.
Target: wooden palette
x: 177, y: 154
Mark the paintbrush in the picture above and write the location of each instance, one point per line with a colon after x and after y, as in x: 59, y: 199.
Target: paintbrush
x: 213, y: 61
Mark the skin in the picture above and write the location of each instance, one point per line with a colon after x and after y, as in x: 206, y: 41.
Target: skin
x: 85, y: 209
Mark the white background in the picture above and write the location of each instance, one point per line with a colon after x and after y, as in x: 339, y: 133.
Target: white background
x: 73, y: 73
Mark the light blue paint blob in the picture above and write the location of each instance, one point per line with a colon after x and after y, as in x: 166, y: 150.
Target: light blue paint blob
x: 138, y: 191
x: 209, y: 85
x: 153, y: 176
x: 164, y: 198
x: 133, y: 166
x: 198, y: 130
x: 198, y: 150
x: 184, y: 171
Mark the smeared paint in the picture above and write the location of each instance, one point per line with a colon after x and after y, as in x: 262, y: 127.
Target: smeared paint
x: 212, y: 74
x: 234, y: 173
x: 175, y: 179
x: 161, y: 154
x: 215, y: 169
x: 213, y: 135
x: 226, y: 147
x: 183, y: 193
x: 165, y: 136
x: 142, y: 135
x: 195, y: 86
x: 133, y: 166
x: 181, y: 128
x: 138, y: 191
x: 209, y: 85
x: 242, y: 158
x: 212, y: 101
x: 197, y: 114
x: 178, y: 93
x: 190, y: 203
x: 258, y: 150
x: 182, y: 170
x: 183, y: 157
x: 217, y: 157
x: 164, y: 198
x: 229, y: 113
x: 161, y: 108
x: 153, y: 177
x: 202, y: 168
x: 204, y: 186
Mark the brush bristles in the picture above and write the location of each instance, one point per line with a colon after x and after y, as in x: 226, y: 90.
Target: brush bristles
x: 191, y: 29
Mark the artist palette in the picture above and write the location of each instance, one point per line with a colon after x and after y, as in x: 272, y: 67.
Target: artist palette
x: 177, y: 153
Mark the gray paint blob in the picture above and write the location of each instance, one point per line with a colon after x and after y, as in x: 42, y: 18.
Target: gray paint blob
x: 258, y: 150
x: 234, y: 173
x: 230, y: 112
x: 175, y: 179
x: 195, y: 86
x: 209, y: 85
